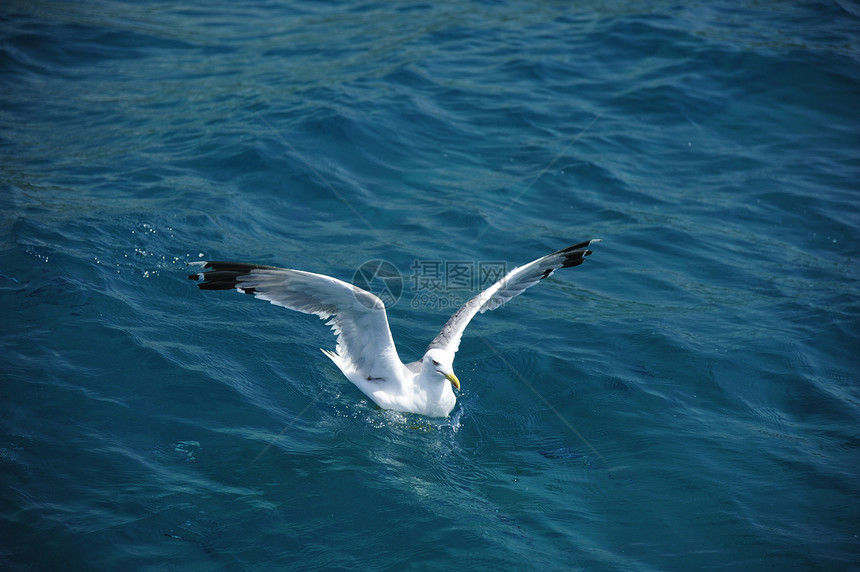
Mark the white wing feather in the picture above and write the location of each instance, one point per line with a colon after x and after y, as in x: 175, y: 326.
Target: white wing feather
x: 357, y: 317
x: 514, y: 283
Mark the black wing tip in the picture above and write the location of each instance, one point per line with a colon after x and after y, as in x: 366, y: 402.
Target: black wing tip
x: 225, y: 275
x: 235, y: 266
x: 574, y: 255
x: 571, y: 256
x: 575, y: 258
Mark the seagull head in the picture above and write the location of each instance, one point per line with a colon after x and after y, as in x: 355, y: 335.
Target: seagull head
x: 441, y: 362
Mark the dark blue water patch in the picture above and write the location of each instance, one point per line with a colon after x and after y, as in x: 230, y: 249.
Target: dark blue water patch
x: 68, y: 48
x: 561, y: 454
x: 703, y: 353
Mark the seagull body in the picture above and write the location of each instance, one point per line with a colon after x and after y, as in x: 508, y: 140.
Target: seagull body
x: 365, y: 350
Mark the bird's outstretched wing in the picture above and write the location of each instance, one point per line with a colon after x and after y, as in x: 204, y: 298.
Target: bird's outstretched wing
x: 514, y: 283
x: 357, y: 316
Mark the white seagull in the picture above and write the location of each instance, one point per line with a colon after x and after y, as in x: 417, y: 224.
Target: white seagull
x: 365, y: 351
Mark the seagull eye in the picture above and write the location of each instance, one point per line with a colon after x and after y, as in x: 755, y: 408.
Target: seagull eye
x: 435, y: 362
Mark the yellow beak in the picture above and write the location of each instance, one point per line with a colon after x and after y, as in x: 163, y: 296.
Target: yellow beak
x: 453, y: 379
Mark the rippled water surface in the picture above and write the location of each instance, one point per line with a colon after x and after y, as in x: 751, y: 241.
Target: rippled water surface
x: 686, y: 399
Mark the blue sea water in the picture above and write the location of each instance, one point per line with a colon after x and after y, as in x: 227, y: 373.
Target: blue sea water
x: 686, y: 399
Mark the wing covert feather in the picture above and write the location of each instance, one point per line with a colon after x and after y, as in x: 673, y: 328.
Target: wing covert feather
x: 356, y: 316
x: 512, y: 284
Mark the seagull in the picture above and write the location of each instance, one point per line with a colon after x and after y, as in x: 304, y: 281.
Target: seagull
x: 365, y: 350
